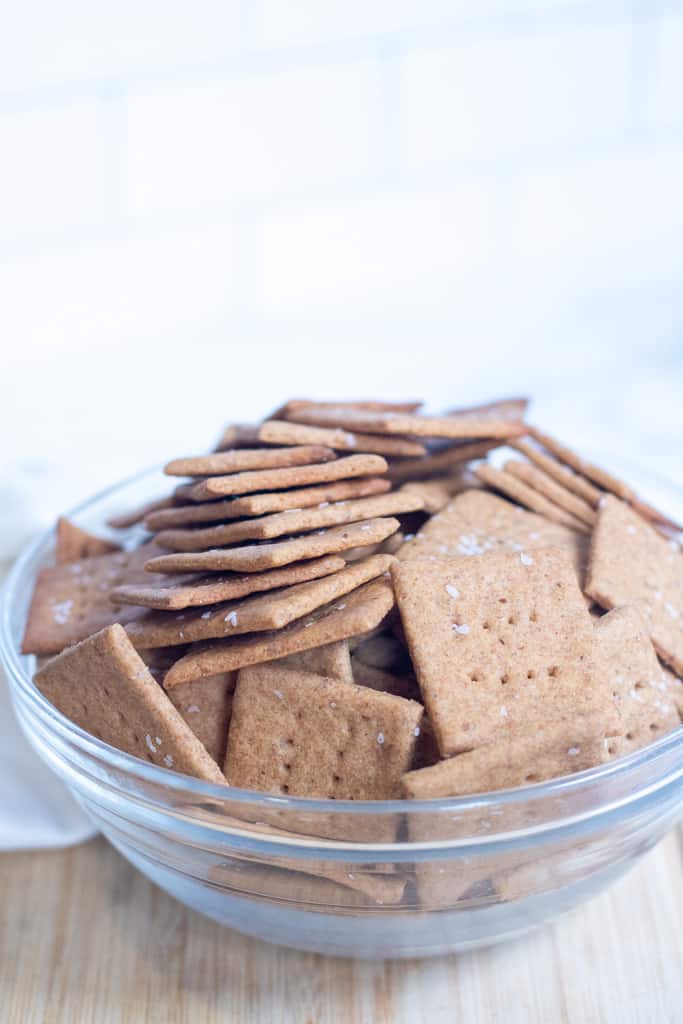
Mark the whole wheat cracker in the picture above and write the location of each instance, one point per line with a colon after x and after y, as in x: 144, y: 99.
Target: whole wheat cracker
x: 502, y: 409
x: 363, y: 610
x: 449, y: 461
x: 631, y: 563
x: 478, y: 521
x: 461, y: 425
x: 238, y: 460
x: 549, y: 488
x: 175, y: 593
x: 72, y: 543
x: 523, y: 494
x: 631, y: 670
x: 305, y: 735
x: 259, y: 613
x: 286, y: 432
x: 259, y: 504
x: 332, y: 660
x: 565, y: 476
x: 206, y: 707
x: 284, y: 412
x: 547, y: 752
x: 136, y: 515
x: 279, y: 479
x: 258, y: 557
x: 437, y: 492
x: 70, y: 602
x: 294, y: 521
x: 103, y: 686
x: 498, y: 643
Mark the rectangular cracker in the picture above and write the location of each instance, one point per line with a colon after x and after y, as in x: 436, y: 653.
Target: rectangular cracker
x: 256, y: 614
x: 477, y: 521
x: 363, y: 610
x: 103, y: 686
x: 513, y: 409
x: 332, y: 660
x: 435, y: 493
x: 72, y: 543
x: 498, y: 643
x: 294, y: 521
x: 136, y: 515
x: 284, y: 412
x: 444, y: 461
x: 278, y: 479
x: 565, y: 476
x: 285, y: 432
x: 258, y: 557
x: 305, y: 735
x: 175, y: 593
x: 238, y: 460
x: 459, y: 425
x: 520, y: 492
x: 70, y: 602
x: 631, y: 563
x: 550, y: 489
x: 547, y: 752
x: 206, y: 708
x: 631, y: 671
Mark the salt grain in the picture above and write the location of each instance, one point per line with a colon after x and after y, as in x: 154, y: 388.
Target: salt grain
x: 573, y: 751
x: 231, y: 617
x: 148, y: 741
x: 452, y: 591
x: 380, y: 738
x: 526, y: 559
x: 463, y: 629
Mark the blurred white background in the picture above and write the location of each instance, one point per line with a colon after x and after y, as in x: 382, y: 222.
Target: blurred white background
x: 206, y: 207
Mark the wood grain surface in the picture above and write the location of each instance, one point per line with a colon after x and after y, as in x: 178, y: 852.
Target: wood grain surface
x: 85, y: 939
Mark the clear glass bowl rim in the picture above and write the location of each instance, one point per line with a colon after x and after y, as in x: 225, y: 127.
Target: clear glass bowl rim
x: 185, y: 786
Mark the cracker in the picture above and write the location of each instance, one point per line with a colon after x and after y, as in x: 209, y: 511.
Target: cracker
x: 363, y: 610
x: 523, y: 494
x: 444, y: 461
x: 105, y: 688
x: 477, y: 521
x: 273, y: 610
x: 631, y: 670
x: 549, y: 488
x: 175, y: 593
x: 513, y: 409
x: 136, y: 515
x: 70, y: 602
x: 674, y: 687
x: 259, y: 504
x: 460, y: 425
x: 206, y: 707
x: 258, y: 557
x: 287, y: 523
x: 435, y: 493
x: 285, y: 412
x: 332, y: 660
x: 562, y: 474
x: 238, y: 435
x: 548, y: 752
x: 305, y: 735
x: 630, y: 563
x: 240, y: 459
x: 293, y: 476
x: 285, y: 432
x: 73, y: 543
x: 498, y: 643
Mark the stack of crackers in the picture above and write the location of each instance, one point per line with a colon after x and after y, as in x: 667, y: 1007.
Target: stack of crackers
x: 354, y: 600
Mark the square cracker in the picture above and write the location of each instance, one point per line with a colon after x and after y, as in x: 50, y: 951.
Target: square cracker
x: 258, y: 557
x: 306, y: 735
x: 253, y: 614
x: 519, y: 491
x: 175, y: 593
x: 287, y: 523
x: 103, y: 686
x: 242, y: 459
x: 362, y: 610
x: 564, y: 476
x: 70, y: 602
x: 73, y: 543
x: 498, y: 643
x: 524, y: 758
x: 464, y: 424
x: 447, y: 461
x: 285, y: 432
x: 543, y: 483
x: 477, y: 521
x: 259, y: 504
x: 206, y: 707
x: 630, y: 563
x: 292, y: 476
x: 631, y: 670
x: 332, y: 660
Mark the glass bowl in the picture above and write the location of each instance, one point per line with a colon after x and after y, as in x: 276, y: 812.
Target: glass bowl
x: 389, y: 879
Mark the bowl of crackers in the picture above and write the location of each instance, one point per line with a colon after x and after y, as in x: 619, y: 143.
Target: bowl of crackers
x: 362, y: 680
